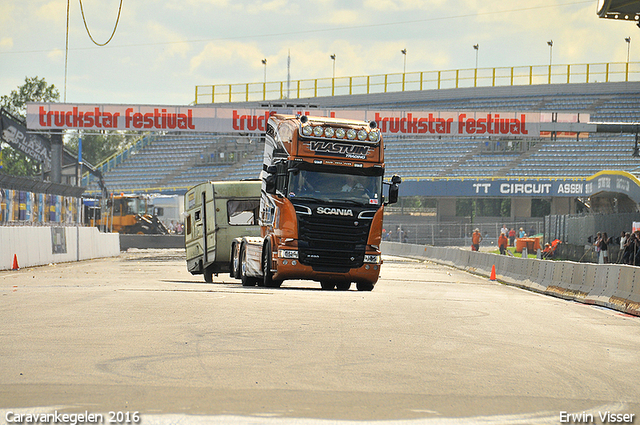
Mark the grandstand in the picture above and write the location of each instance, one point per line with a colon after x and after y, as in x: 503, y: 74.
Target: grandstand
x: 173, y: 163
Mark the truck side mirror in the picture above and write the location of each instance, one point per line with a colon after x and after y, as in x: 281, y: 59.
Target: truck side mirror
x: 393, y: 189
x: 393, y: 194
x: 270, y: 180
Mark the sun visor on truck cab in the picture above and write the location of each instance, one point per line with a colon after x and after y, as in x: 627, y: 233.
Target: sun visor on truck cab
x: 319, y: 165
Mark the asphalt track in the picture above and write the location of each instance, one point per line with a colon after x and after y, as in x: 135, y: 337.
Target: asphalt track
x: 430, y: 344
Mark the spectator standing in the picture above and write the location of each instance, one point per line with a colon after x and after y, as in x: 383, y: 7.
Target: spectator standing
x: 628, y: 249
x: 476, y: 238
x: 521, y: 233
x: 623, y: 241
x: 635, y: 249
x: 502, y: 243
x: 596, y: 247
x: 604, y: 248
x: 400, y: 234
x: 512, y: 236
x: 504, y: 230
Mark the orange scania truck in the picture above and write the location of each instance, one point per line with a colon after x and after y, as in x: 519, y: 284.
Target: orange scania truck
x: 321, y: 205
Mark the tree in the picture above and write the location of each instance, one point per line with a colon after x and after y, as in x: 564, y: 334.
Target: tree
x: 33, y: 90
x: 96, y: 147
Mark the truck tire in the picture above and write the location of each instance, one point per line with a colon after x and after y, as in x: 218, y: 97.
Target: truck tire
x: 328, y: 286
x: 267, y: 276
x: 343, y: 286
x: 246, y: 280
x: 208, y: 275
x: 364, y: 286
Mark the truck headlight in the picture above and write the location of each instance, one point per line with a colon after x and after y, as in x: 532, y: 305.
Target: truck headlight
x: 287, y: 253
x: 372, y: 259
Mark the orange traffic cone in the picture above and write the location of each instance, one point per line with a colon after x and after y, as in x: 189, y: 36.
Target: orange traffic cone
x: 493, y: 273
x: 15, y: 262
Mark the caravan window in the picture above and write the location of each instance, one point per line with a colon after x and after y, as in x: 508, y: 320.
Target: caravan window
x: 243, y: 212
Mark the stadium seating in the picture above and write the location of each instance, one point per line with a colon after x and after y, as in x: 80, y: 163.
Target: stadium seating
x: 175, y: 163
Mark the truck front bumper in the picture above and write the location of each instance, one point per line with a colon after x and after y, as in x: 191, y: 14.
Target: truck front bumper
x: 289, y: 268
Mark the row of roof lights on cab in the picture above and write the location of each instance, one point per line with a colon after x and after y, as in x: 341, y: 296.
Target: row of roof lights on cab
x: 340, y: 133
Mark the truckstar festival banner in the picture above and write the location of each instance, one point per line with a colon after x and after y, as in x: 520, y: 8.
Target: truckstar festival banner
x: 59, y: 116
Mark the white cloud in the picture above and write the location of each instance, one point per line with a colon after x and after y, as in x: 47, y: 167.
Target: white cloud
x: 6, y: 43
x: 404, y: 5
x: 55, y: 55
x: 53, y: 10
x: 197, y: 4
x: 161, y: 33
x: 226, y: 57
x: 268, y: 6
x: 345, y: 17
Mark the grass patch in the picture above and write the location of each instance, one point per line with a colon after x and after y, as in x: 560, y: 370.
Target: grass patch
x: 512, y: 250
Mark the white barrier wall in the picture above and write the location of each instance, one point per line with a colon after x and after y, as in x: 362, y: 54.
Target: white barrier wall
x: 614, y: 286
x: 35, y: 246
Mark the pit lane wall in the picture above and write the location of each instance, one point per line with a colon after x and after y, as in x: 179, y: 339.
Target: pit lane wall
x: 609, y: 285
x: 35, y: 246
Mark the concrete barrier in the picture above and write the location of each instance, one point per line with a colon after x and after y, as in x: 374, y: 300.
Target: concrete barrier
x: 36, y: 246
x: 578, y: 287
x: 151, y: 241
x: 609, y: 285
x: 624, y: 294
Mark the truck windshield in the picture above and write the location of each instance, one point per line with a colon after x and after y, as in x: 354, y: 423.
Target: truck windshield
x: 366, y: 190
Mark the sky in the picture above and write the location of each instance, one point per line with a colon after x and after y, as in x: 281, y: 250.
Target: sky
x: 162, y: 49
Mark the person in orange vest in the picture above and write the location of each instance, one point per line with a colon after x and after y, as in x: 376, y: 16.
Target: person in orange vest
x: 476, y: 238
x: 503, y: 241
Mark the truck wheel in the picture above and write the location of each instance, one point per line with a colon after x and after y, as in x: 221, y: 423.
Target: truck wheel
x: 267, y: 276
x: 246, y: 280
x: 343, y: 286
x: 234, y: 264
x: 208, y: 275
x: 364, y: 286
x: 327, y: 286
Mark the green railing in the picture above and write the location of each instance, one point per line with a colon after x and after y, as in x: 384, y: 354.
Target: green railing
x: 427, y: 80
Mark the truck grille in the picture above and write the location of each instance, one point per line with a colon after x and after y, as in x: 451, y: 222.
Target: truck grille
x: 332, y: 243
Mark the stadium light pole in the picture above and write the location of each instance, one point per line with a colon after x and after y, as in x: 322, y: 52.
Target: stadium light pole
x: 476, y: 47
x: 628, y: 40
x: 264, y: 86
x: 333, y: 58
x: 404, y: 53
x: 550, y: 44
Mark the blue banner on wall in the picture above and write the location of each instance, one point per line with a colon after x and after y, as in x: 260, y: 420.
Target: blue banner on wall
x: 605, y: 181
x: 494, y: 188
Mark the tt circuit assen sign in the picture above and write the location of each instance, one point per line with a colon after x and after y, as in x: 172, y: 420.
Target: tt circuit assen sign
x: 606, y: 181
x: 59, y: 116
x: 497, y: 188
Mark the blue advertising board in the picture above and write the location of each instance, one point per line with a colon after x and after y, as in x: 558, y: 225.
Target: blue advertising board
x: 604, y: 181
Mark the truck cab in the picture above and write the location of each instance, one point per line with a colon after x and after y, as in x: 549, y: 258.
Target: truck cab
x: 322, y: 204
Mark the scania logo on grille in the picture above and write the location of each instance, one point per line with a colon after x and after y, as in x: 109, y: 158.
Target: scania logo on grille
x: 335, y: 211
